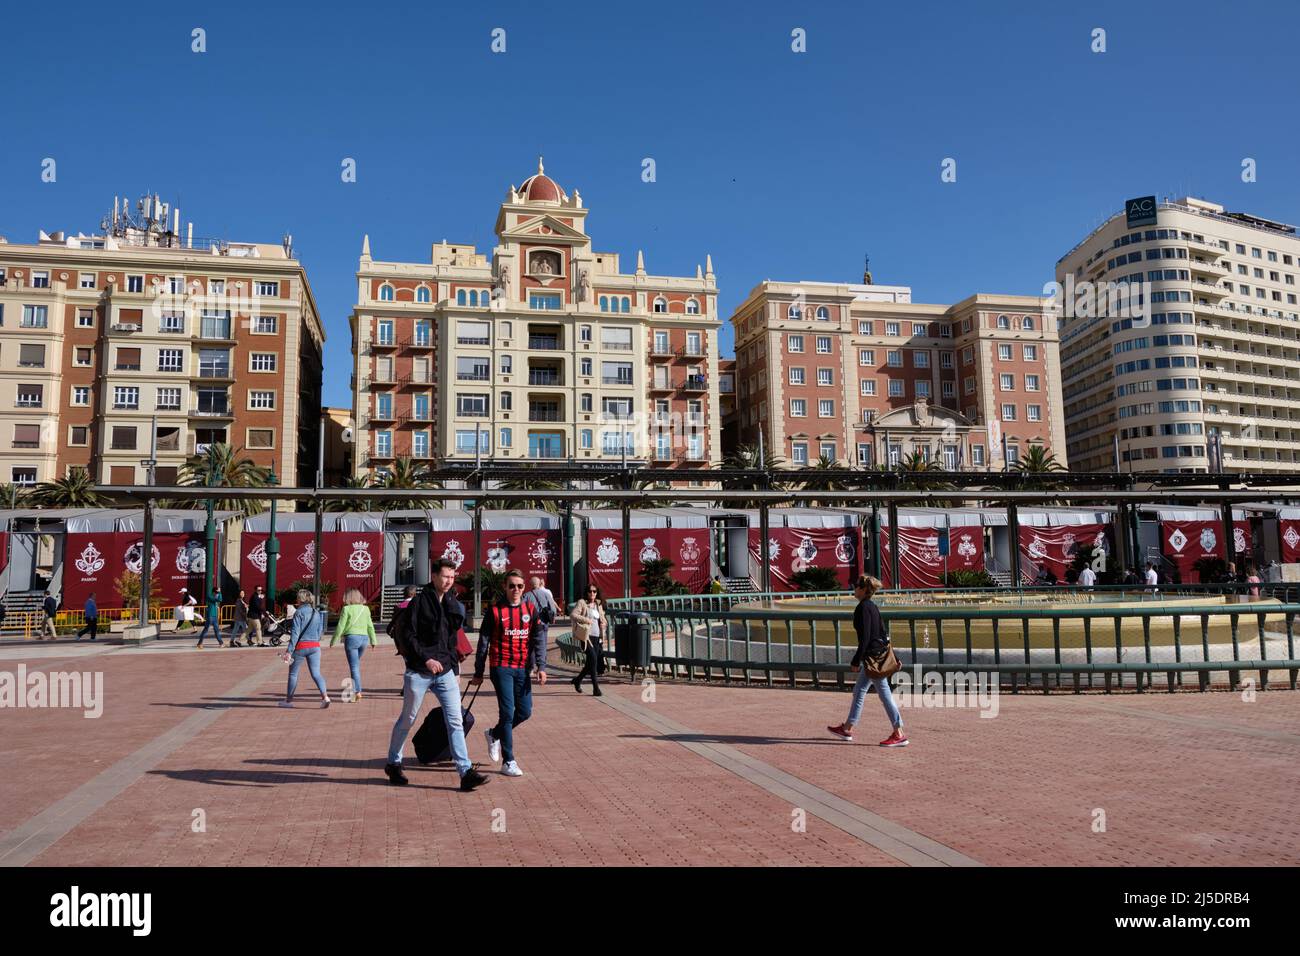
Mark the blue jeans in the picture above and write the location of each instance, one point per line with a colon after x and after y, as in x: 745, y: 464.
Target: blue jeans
x: 514, y: 689
x: 860, y: 691
x: 213, y: 627
x: 354, y: 645
x: 312, y: 656
x: 446, y: 687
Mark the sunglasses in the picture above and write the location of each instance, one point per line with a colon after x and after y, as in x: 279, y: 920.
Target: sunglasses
x: 515, y: 587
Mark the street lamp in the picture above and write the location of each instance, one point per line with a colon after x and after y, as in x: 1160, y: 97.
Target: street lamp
x: 272, y: 548
x: 210, y: 587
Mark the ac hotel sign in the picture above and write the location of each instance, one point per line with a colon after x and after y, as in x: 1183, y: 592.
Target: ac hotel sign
x: 1141, y: 212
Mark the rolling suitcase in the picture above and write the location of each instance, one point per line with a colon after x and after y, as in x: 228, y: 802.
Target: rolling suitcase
x: 430, y: 741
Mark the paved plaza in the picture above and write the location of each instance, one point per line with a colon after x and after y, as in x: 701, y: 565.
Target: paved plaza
x: 192, y: 764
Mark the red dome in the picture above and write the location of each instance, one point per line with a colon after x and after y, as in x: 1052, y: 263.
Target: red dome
x: 541, y: 188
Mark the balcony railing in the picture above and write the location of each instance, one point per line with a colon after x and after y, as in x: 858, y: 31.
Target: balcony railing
x: 616, y: 346
x: 384, y: 344
x: 543, y: 342
x: 474, y: 340
x: 543, y: 378
x: 212, y: 412
x: 471, y: 412
x: 616, y: 380
x: 545, y: 415
x: 473, y: 376
x: 545, y: 453
x: 695, y: 383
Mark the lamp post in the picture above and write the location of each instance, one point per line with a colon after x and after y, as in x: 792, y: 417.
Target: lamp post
x: 272, y: 548
x: 210, y: 530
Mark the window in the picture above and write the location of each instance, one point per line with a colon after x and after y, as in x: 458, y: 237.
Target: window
x: 214, y: 324
x: 584, y: 366
x: 465, y: 441
x: 473, y: 369
x: 169, y: 399
x: 693, y: 346
x: 504, y: 438
x: 584, y: 333
x: 922, y: 389
x: 1004, y: 322
x: 1030, y: 352
x: 894, y: 358
x: 266, y: 324
x: 170, y: 360
x: 892, y: 328
x: 385, y: 293
x: 78, y: 435
x: 212, y: 401
x: 548, y: 302
x: 1006, y: 382
x: 866, y: 356
x: 31, y: 356
x: 420, y: 406
x: 261, y: 438
x: 794, y: 343
x: 1027, y: 323
x: 80, y: 395
x: 1013, y: 454
x: 864, y: 327
x: 213, y: 363
x: 171, y: 323
x: 268, y: 288
x: 977, y: 455
x: 692, y: 307
x: 1008, y: 413
x: 123, y: 438
x: 1033, y: 413
x: 824, y: 345
x: 27, y: 436
x: 24, y: 476
x: 897, y: 388
x: 796, y: 375
x: 507, y: 364
x: 660, y: 304
x: 663, y: 446
x: 968, y: 385
x: 128, y: 360
x: 384, y: 444
x: 949, y: 389
x: 585, y: 438
x: 86, y: 280
x: 384, y: 332
x: 828, y: 450
x: 584, y: 402
x: 864, y: 456
x: 794, y: 312
x: 1031, y: 383
x: 826, y: 408
x: 798, y: 407
x: 825, y: 376
x: 36, y: 317
x: 1004, y: 351
x: 918, y: 329
x: 868, y: 387
x: 920, y: 359
x: 467, y: 333
x: 616, y: 339
x: 472, y: 406
x: 85, y: 318
x: 799, y: 452
x: 616, y: 408
x: 83, y: 355
x: 945, y: 360
x: 261, y: 400
x: 616, y: 373
x: 823, y: 314
x: 216, y: 287
x: 135, y: 283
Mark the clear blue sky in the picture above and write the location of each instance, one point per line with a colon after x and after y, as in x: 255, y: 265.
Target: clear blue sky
x: 782, y: 165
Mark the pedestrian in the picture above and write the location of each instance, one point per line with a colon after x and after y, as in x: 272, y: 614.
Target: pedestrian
x: 407, y: 595
x: 510, y: 642
x: 717, y: 587
x: 241, y: 621
x: 1152, y: 579
x: 541, y: 598
x: 256, y: 611
x: 589, y: 627
x: 357, y: 630
x: 185, y: 608
x: 304, y: 645
x: 1253, y: 579
x: 1087, y: 577
x: 427, y: 629
x: 50, y: 606
x: 211, y: 620
x: 873, y: 641
x: 92, y: 618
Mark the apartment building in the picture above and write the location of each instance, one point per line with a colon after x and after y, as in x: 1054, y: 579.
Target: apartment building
x: 861, y: 375
x: 106, y: 337
x: 547, y: 351
x: 1199, y: 367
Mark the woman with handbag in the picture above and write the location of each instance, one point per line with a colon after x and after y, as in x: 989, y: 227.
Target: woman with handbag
x: 588, y: 617
x: 304, y: 645
x: 874, y: 662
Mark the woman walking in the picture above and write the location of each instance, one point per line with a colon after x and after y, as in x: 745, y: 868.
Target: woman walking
x: 304, y: 645
x: 588, y: 617
x: 873, y: 642
x: 241, y: 621
x: 357, y: 630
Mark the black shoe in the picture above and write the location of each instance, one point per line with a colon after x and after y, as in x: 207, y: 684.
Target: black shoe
x: 395, y: 775
x: 577, y: 684
x: 472, y: 779
x: 597, y: 693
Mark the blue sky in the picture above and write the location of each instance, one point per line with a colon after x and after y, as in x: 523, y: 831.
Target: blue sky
x: 782, y: 165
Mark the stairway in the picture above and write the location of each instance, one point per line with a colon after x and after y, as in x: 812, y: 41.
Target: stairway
x: 18, y: 603
x: 739, y: 586
x: 1003, y: 578
x: 388, y: 600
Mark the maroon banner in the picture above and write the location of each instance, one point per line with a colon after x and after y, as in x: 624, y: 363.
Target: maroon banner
x: 689, y: 551
x: 1289, y: 530
x: 4, y: 550
x: 1186, y: 542
x: 920, y: 565
x: 791, y: 550
x: 359, y: 557
x: 297, y: 561
x: 1053, y: 547
x: 93, y: 562
x: 536, y: 552
x: 686, y: 548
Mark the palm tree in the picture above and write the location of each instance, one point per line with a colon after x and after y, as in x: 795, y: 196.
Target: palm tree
x: 77, y: 490
x: 912, y: 469
x: 818, y: 480
x: 406, y: 475
x: 357, y: 482
x: 11, y: 495
x: 223, y: 466
x: 525, y: 484
x: 1034, y: 468
x: 746, y: 458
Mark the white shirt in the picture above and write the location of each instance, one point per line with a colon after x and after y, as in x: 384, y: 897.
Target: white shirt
x: 1087, y: 577
x: 1152, y: 577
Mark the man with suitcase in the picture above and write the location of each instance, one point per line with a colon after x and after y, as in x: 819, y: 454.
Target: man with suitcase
x: 425, y: 636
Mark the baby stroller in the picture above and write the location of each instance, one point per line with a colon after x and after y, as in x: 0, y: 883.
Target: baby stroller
x: 276, y: 628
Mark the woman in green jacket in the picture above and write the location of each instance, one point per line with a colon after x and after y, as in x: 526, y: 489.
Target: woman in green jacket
x: 356, y: 628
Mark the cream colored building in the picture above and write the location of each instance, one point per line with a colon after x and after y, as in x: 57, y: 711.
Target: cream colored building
x: 1216, y: 361
x: 862, y: 375
x: 105, y: 336
x: 547, y: 352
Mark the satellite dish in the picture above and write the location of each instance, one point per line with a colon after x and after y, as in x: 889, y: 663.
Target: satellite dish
x: 347, y: 435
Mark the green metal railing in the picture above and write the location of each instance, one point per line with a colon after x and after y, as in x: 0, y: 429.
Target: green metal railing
x: 1024, y: 645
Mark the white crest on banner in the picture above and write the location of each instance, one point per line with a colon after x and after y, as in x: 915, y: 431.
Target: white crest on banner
x: 773, y: 549
x: 308, y: 557
x: 607, y: 553
x: 1178, y: 540
x: 1037, y: 549
x: 690, y: 550
x: 1067, y: 542
x: 1208, y: 539
x: 257, y: 557
x: 1101, y: 542
x: 1291, y: 537
x: 91, y: 559
x: 648, y: 550
x: 192, y: 558
x: 360, y: 559
x: 845, y: 551
x: 1239, y: 540
x: 134, y: 558
x: 498, y: 558
x: 540, y: 552
x: 966, y: 547
x: 453, y: 553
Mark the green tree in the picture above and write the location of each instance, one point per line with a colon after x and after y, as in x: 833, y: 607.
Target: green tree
x: 224, y: 466
x: 492, y: 585
x: 289, y: 594
x: 11, y: 496
x: 76, y: 490
x: 406, y: 475
x: 128, y: 586
x: 968, y: 578
x: 358, y: 482
x: 817, y: 579
x: 816, y: 477
x: 746, y: 458
x: 656, y: 578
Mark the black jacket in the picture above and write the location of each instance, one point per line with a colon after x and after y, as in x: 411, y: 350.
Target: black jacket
x: 51, y: 606
x: 256, y: 606
x: 872, y: 639
x: 434, y: 625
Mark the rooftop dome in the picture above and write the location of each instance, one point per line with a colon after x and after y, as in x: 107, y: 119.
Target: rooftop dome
x: 540, y: 187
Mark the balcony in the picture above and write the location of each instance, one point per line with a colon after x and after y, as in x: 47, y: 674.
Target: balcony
x: 661, y: 385
x: 473, y: 376
x: 1208, y: 268
x: 658, y: 351
x: 616, y: 380
x: 546, y: 453
x: 415, y: 381
x: 383, y: 344
x: 545, y: 343
x: 616, y: 346
x: 383, y: 415
x: 472, y: 340
x: 695, y: 383
x: 419, y: 342
x: 382, y: 378
x: 544, y: 377
x: 543, y: 414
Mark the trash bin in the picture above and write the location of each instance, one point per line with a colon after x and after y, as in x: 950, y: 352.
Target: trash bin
x: 632, y: 640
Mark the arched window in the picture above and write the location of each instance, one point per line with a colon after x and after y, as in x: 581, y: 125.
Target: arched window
x: 692, y: 307
x: 795, y: 312
x: 604, y: 303
x: 1004, y: 322
x: 385, y: 293
x: 661, y: 304
x: 460, y: 296
x: 627, y: 304
x: 1027, y: 323
x: 823, y: 314
x: 422, y: 294
x: 473, y: 296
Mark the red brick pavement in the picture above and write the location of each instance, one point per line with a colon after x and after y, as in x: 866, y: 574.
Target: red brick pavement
x: 1183, y: 786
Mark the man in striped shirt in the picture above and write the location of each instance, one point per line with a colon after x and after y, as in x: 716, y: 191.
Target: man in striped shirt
x: 510, y: 642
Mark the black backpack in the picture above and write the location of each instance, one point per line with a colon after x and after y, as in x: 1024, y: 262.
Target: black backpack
x: 399, y: 629
x: 545, y: 610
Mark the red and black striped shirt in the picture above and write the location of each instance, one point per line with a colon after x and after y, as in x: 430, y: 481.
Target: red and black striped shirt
x: 509, y: 637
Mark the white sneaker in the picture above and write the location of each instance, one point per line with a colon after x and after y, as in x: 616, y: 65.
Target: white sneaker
x: 511, y: 769
x: 324, y: 702
x: 494, y: 747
